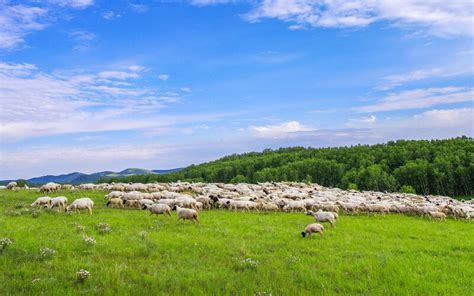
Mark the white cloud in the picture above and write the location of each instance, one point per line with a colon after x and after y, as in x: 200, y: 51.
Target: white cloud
x: 437, y: 123
x: 110, y: 15
x: 42, y: 104
x: 17, y: 21
x: 122, y: 75
x: 438, y: 17
x: 211, y: 2
x: 283, y: 130
x: 186, y: 89
x: 139, y: 8
x: 394, y: 80
x: 163, y: 77
x: 420, y: 98
x: 367, y: 120
x: 77, y: 4
x: 136, y: 68
x: 82, y: 39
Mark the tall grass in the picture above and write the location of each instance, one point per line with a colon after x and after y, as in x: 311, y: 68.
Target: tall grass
x: 230, y: 253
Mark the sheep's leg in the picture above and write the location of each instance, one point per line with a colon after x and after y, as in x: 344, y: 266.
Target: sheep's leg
x: 321, y: 234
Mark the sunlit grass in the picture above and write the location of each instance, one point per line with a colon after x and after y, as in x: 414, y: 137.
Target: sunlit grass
x: 229, y: 253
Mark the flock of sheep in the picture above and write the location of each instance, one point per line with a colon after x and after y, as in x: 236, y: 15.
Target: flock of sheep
x: 323, y: 203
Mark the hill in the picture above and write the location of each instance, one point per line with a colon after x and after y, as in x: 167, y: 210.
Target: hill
x: 80, y: 178
x: 444, y: 167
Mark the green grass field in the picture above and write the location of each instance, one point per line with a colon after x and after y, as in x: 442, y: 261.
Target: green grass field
x: 143, y: 254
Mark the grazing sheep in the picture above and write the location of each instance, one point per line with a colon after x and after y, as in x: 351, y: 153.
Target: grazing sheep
x: 206, y: 202
x: 313, y: 228
x: 114, y: 194
x: 143, y: 202
x: 295, y: 206
x: 60, y: 202
x: 132, y: 203
x: 437, y: 215
x: 321, y: 216
x: 115, y: 202
x: 12, y: 185
x: 186, y: 214
x: 50, y: 187
x: 42, y: 201
x: 67, y: 187
x: 242, y: 205
x: 270, y: 207
x: 158, y: 209
x: 81, y: 204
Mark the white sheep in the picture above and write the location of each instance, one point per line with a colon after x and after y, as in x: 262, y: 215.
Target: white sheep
x: 60, y: 201
x: 115, y: 202
x: 114, y: 194
x: 321, y: 216
x: 143, y: 202
x: 437, y: 215
x: 313, y: 228
x: 42, y: 201
x: 12, y: 185
x: 50, y: 187
x: 186, y: 214
x: 81, y: 204
x: 158, y: 209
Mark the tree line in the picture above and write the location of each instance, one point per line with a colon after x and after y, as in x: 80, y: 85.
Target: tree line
x: 441, y: 167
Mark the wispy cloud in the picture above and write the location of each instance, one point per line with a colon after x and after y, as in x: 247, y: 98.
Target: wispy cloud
x: 43, y: 104
x: 394, y: 80
x: 163, y: 77
x: 282, y: 130
x: 420, y: 98
x: 442, y: 18
x: 139, y: 8
x: 78, y: 4
x: 82, y: 39
x: 110, y: 15
x: 19, y: 20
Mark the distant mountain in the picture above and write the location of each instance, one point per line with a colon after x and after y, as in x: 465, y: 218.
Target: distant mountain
x: 80, y: 178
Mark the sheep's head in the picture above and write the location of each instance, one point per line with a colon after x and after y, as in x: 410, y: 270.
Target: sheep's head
x: 303, y: 234
x: 174, y: 208
x: 309, y: 213
x: 144, y: 207
x: 108, y: 204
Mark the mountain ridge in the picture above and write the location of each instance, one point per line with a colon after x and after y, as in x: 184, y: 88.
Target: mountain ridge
x: 80, y: 178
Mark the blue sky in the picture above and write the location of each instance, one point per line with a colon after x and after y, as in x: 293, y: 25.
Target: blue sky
x: 104, y: 85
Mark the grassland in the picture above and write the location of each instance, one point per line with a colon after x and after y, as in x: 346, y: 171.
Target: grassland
x: 143, y: 254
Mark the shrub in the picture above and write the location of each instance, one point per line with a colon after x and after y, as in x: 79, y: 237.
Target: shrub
x: 82, y: 275
x: 89, y: 240
x: 5, y: 243
x: 407, y: 189
x: 143, y: 234
x: 103, y: 228
x: 352, y: 186
x: 19, y: 205
x: 46, y: 253
x: 248, y: 263
x: 35, y: 213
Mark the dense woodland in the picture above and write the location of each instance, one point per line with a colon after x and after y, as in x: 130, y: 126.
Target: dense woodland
x: 444, y: 167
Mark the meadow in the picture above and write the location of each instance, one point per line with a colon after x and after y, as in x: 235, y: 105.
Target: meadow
x: 228, y: 253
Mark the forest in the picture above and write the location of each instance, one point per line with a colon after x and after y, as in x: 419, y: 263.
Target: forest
x: 437, y: 167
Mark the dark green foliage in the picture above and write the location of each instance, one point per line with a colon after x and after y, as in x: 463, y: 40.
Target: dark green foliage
x: 443, y: 167
x: 407, y: 189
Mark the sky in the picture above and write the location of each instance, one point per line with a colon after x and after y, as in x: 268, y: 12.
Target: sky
x: 91, y: 85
